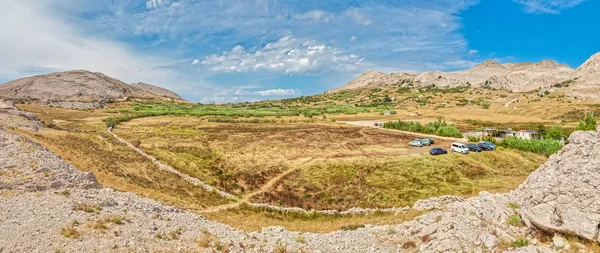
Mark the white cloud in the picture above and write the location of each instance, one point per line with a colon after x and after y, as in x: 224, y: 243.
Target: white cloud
x: 315, y: 16
x: 548, y: 6
x: 473, y: 52
x: 195, y: 62
x: 35, y: 39
x: 353, y: 38
x: 278, y: 92
x: 153, y: 4
x: 288, y: 55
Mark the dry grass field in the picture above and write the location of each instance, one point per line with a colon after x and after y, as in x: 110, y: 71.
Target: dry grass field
x: 311, y: 162
x: 243, y: 157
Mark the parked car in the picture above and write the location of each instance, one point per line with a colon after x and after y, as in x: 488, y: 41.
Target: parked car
x: 430, y: 140
x: 473, y: 147
x: 378, y: 124
x: 426, y: 142
x: 486, y: 146
x: 460, y: 148
x: 416, y: 143
x: 492, y: 145
x: 438, y: 151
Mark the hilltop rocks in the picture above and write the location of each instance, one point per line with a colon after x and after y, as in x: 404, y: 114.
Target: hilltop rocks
x: 563, y: 194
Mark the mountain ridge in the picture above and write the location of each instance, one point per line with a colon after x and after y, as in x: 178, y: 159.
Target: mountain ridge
x: 514, y: 77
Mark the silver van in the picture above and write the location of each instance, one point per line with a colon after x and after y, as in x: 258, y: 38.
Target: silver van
x: 460, y: 148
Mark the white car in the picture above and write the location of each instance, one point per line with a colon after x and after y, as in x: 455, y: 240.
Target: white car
x: 416, y: 143
x: 460, y: 148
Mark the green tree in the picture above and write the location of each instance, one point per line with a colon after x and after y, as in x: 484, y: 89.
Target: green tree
x: 555, y: 133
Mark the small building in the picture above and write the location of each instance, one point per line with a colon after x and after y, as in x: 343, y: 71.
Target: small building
x: 528, y: 135
x: 488, y: 132
x: 506, y: 133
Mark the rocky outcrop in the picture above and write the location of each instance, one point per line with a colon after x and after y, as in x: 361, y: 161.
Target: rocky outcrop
x: 563, y: 194
x: 11, y: 117
x: 27, y: 166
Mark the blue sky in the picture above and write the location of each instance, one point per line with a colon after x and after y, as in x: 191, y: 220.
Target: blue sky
x: 233, y: 51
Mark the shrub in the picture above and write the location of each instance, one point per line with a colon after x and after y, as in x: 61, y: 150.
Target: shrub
x: 515, y: 220
x: 352, y: 227
x: 555, y: 133
x: 520, y: 242
x: 546, y: 147
x: 69, y: 232
x: 300, y: 239
x: 588, y: 123
x: 472, y: 139
x: 88, y: 208
x: 439, y: 127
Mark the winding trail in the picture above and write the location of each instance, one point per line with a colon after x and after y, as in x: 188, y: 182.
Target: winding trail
x: 168, y: 168
x: 246, y: 198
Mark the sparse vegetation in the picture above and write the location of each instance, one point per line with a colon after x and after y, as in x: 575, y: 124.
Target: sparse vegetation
x: 515, y: 220
x: 520, y: 242
x: 352, y: 227
x: 88, y: 208
x: 69, y: 232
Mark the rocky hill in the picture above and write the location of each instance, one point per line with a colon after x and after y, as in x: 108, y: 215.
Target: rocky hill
x: 49, y: 205
x: 78, y: 86
x: 376, y: 79
x: 516, y: 77
x: 157, y: 90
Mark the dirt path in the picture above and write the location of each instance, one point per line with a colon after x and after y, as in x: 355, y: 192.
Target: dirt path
x: 167, y: 167
x: 246, y: 198
x: 370, y: 123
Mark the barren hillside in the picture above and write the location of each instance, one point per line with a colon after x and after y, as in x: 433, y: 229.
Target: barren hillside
x: 157, y: 90
x: 516, y: 77
x: 77, y: 86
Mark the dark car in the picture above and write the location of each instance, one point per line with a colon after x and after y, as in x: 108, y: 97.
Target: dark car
x: 438, y: 151
x: 430, y: 140
x: 485, y: 147
x: 473, y: 147
x: 491, y: 145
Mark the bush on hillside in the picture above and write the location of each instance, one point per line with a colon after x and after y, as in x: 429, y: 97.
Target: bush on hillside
x: 588, y: 123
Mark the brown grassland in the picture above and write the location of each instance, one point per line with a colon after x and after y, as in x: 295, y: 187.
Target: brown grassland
x: 321, y: 163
